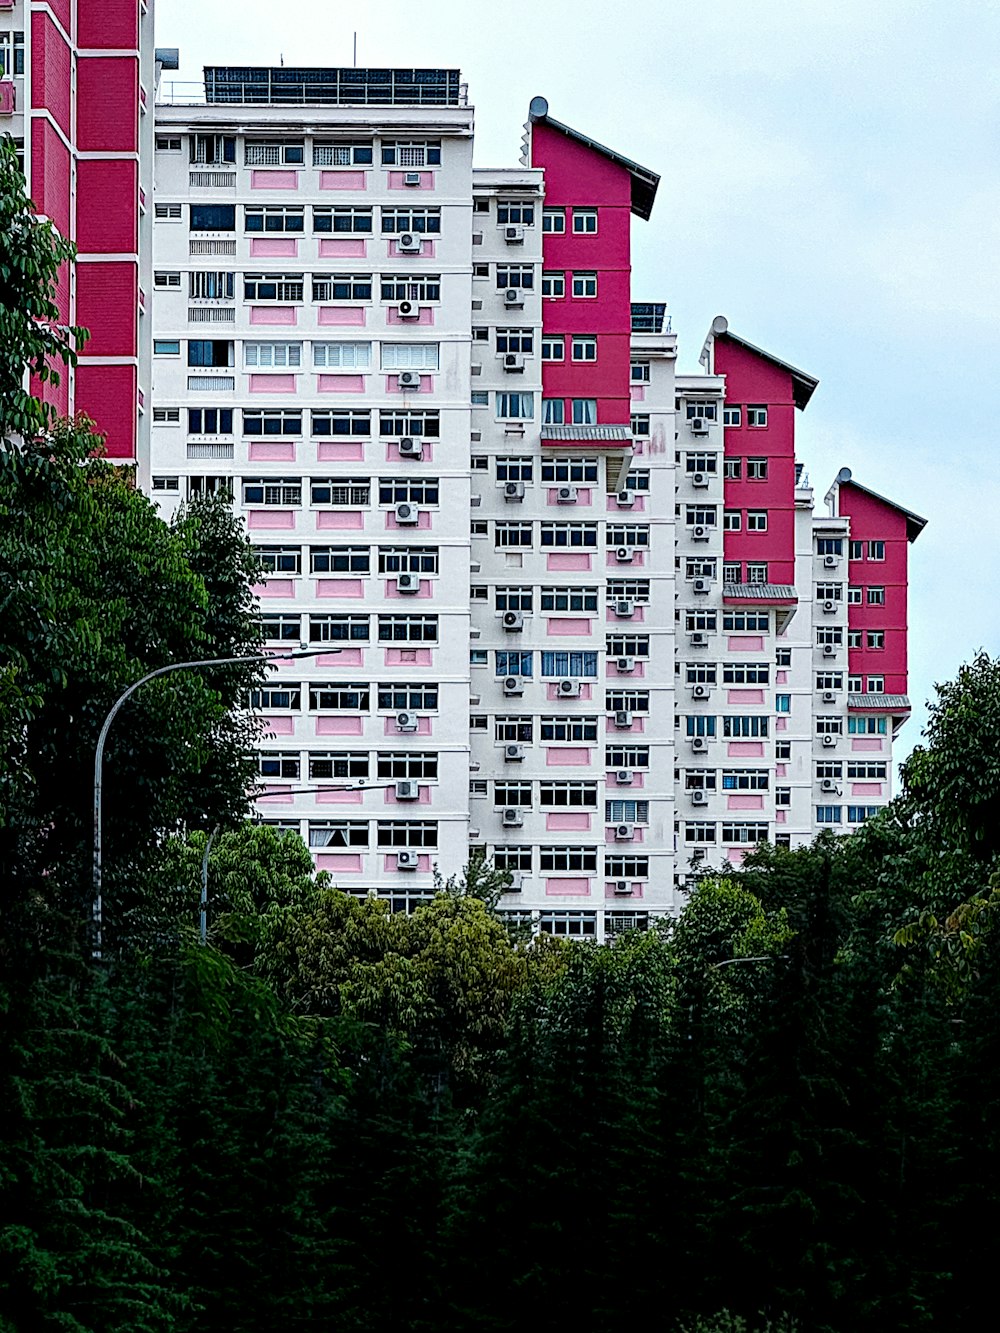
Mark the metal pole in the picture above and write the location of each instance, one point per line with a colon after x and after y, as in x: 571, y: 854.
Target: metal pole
x: 203, y: 916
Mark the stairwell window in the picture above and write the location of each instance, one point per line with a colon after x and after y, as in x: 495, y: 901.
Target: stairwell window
x: 585, y: 285
x: 554, y: 221
x: 554, y: 285
x: 585, y: 221
x: 584, y: 347
x: 756, y: 415
x: 583, y: 411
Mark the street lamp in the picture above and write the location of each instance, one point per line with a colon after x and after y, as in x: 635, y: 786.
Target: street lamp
x: 102, y: 738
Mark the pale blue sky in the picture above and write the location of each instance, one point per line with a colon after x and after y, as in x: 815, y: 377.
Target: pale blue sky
x: 829, y: 183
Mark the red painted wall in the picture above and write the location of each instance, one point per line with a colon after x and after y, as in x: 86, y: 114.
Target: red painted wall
x: 106, y: 305
x: 107, y: 105
x: 108, y: 23
x: 578, y: 176
x: 50, y: 175
x: 873, y: 519
x: 752, y: 379
x: 108, y: 395
x: 50, y: 71
x: 61, y: 9
x: 107, y: 212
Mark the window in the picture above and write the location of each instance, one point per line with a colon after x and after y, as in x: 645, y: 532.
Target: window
x: 829, y: 814
x: 745, y: 779
x: 212, y: 150
x: 407, y: 833
x: 407, y: 559
x: 513, y: 469
x: 565, y: 663
x: 829, y: 592
x: 876, y: 550
x: 553, y: 411
x: 515, y: 340
x: 512, y: 599
x: 395, y: 423
x: 207, y: 286
x: 855, y: 684
x: 340, y: 421
x: 279, y: 559
x: 278, y: 764
x: 210, y: 421
x: 700, y: 673
x: 512, y: 662
x: 857, y: 814
x: 700, y: 620
x: 876, y: 684
x: 732, y: 469
x: 568, y: 534
x: 272, y: 355
x: 568, y: 729
x: 699, y: 567
x: 584, y: 347
x: 166, y: 280
x: 584, y: 221
x: 512, y: 858
x: 854, y: 596
x: 626, y: 756
x: 272, y: 219
x: 410, y: 356
x: 739, y: 832
x: 561, y: 470
x: 172, y: 213
x: 756, y: 571
x: 867, y: 769
x: 756, y: 520
x: 411, y: 153
x: 583, y: 411
x: 332, y: 764
x: 408, y: 490
x: 325, y: 697
x: 512, y: 535
x: 585, y: 285
x: 273, y: 421
x: 553, y: 348
x: 568, y: 859
x: 569, y: 599
x: 756, y: 469
x: 341, y: 287
x: 515, y: 275
x: 637, y: 479
x: 630, y: 701
x: 876, y: 596
x: 408, y: 629
x: 426, y: 221
x: 640, y: 424
x: 165, y: 143
x: 853, y: 638
x: 420, y: 287
x: 559, y: 795
x: 395, y: 697
x: 867, y: 726
x: 273, y: 153
x: 409, y: 764
x: 275, y: 491
x: 875, y: 638
x: 341, y: 154
x: 745, y: 621
x: 857, y: 550
x: 699, y: 725
x: 515, y: 406
x: 732, y: 572
x: 209, y: 352
x: 166, y: 483
x: 746, y: 673
x: 568, y: 924
x: 480, y: 398
x: 747, y: 725
x: 626, y: 812
x: 732, y: 416
x: 212, y: 217
x: 275, y: 697
x: 341, y: 220
x: 732, y: 520
x: 698, y: 831
x: 507, y: 729
x: 756, y: 415
x: 829, y: 546
x: 340, y: 560
x: 782, y: 703
x: 829, y: 680
x: 554, y: 285
x: 284, y: 629
x: 554, y: 220
x: 338, y: 833
x: 512, y: 793
x: 829, y: 726
x: 282, y: 287
x: 166, y: 347
x: 517, y: 211
x: 639, y: 372
x: 704, y: 408
x: 203, y: 485
x: 340, y: 491
x: 782, y: 750
x: 700, y: 516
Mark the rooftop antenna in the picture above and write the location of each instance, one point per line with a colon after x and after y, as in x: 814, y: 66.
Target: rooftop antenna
x: 282, y: 59
x: 355, y: 50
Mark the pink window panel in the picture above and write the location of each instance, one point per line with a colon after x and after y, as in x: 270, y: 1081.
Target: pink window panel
x: 567, y: 560
x: 393, y: 593
x: 275, y: 796
x: 348, y: 451
x: 746, y: 643
x: 331, y: 796
x: 272, y: 383
x: 276, y: 588
x: 560, y: 627
x: 568, y: 757
x: 409, y: 656
x: 583, y: 496
x: 638, y: 559
x: 277, y: 315
x: 552, y: 691
x: 342, y: 249
x: 392, y: 454
x: 638, y: 724
x: 781, y: 724
x: 637, y: 507
x: 273, y: 247
x: 397, y: 180
x: 392, y: 384
x: 423, y: 799
x: 279, y: 726
x: 425, y: 317
x: 568, y: 821
x: 264, y: 520
x: 567, y: 887
x: 274, y: 180
x: 866, y: 789
x: 340, y: 726
x: 340, y: 588
x: 745, y: 749
x: 781, y: 816
x: 340, y: 383
x: 638, y: 671
x: 638, y: 780
x: 639, y: 835
x: 866, y: 744
x: 735, y: 855
x: 339, y: 863
x: 781, y: 677
x: 342, y: 520
x: 747, y: 802
x: 346, y: 657
x: 423, y: 862
x: 745, y: 696
x: 636, y: 890
x: 638, y: 393
x: 423, y: 523
x: 343, y: 180
x: 272, y: 451
x: 780, y: 770
x: 424, y: 727
x: 341, y: 316
x: 637, y: 617
x: 426, y: 249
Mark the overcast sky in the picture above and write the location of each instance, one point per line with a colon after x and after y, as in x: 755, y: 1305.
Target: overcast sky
x: 829, y: 183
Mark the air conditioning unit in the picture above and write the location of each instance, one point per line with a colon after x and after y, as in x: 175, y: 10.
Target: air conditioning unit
x: 829, y: 741
x: 568, y: 689
x: 513, y: 490
x: 626, y: 499
x: 700, y: 533
x: 623, y: 719
x: 513, y: 753
x: 699, y: 744
x: 624, y: 832
x: 699, y: 639
x: 513, y: 685
x: 513, y: 296
x: 701, y: 585
x: 407, y: 514
x: 513, y: 362
x: 408, y: 379
x: 407, y: 790
x: 700, y: 691
x: 828, y: 784
x: 407, y: 243
x: 623, y: 777
x: 829, y: 607
x: 513, y: 235
x: 409, y: 447
x: 566, y: 495
x: 408, y: 310
x: 625, y: 665
x: 516, y: 882
x: 699, y: 479
x: 513, y: 621
x: 829, y: 697
x: 625, y: 608
x: 829, y: 650
x: 699, y: 796
x: 407, y: 721
x: 512, y: 818
x: 699, y: 425
x: 623, y: 889
x: 829, y: 562
x: 408, y: 583
x: 411, y: 178
x: 406, y: 860
x: 623, y: 554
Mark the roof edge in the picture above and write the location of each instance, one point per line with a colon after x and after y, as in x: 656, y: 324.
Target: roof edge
x: 914, y: 523
x: 803, y: 385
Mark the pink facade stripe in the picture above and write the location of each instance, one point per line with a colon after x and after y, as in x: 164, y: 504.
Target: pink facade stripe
x: 426, y: 249
x: 340, y: 383
x: 567, y: 821
x: 745, y: 696
x: 274, y: 315
x: 558, y: 627
x: 392, y: 454
x: 347, y: 452
x: 424, y: 727
x: 339, y: 726
x: 636, y: 889
x: 340, y: 316
x: 583, y: 496
x: 271, y: 384
x: 276, y: 520
x: 745, y: 802
x: 402, y: 180
x: 273, y: 247
x: 341, y: 588
x: 424, y: 319
x: 274, y: 180
x: 423, y: 863
x: 339, y: 863
x: 565, y: 886
x: 866, y: 744
x: 423, y: 524
x: 410, y: 656
x: 276, y: 588
x: 343, y: 180
x: 745, y: 749
x: 341, y: 249
x: 279, y: 726
x: 340, y: 520
x: 330, y: 796
x: 552, y: 690
x: 271, y: 451
x: 391, y: 798
x: 746, y: 643
x: 568, y: 561
x: 566, y: 757
x: 866, y: 789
